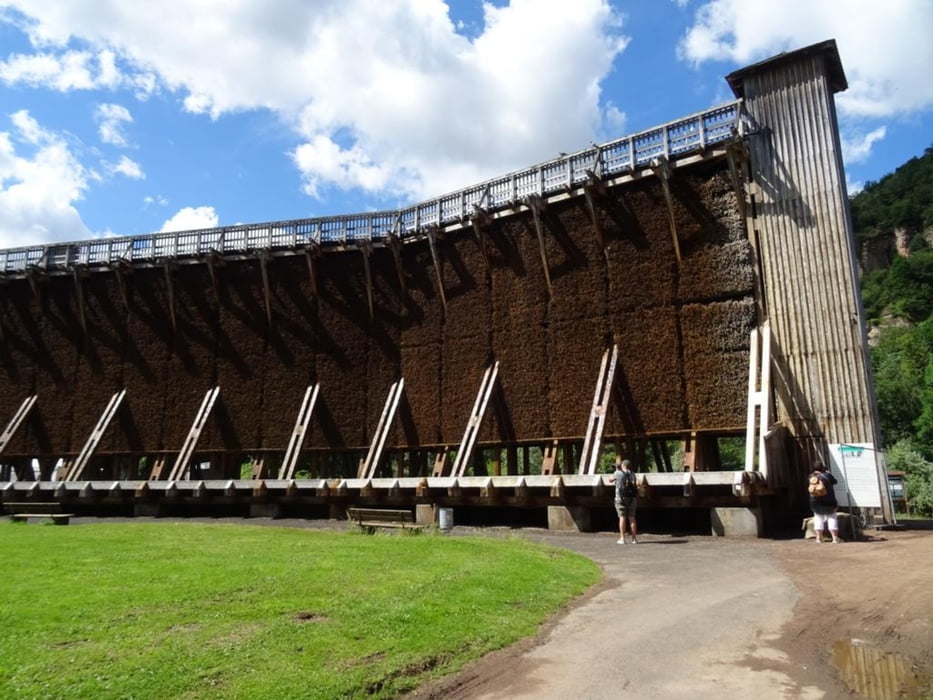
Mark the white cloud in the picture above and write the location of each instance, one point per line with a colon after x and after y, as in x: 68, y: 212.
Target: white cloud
x: 885, y: 47
x: 616, y: 121
x: 40, y: 180
x: 128, y: 168
x: 111, y: 118
x: 322, y: 160
x: 857, y: 147
x: 155, y: 200
x: 71, y: 70
x: 191, y: 218
x: 383, y: 95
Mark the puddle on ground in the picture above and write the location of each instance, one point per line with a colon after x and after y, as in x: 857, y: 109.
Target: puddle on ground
x: 874, y: 673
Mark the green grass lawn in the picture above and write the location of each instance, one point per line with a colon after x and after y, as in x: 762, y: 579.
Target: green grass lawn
x: 190, y: 610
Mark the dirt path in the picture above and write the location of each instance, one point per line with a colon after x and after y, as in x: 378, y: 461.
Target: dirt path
x: 697, y: 616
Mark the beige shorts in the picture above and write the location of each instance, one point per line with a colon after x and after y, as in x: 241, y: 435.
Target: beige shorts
x: 626, y: 507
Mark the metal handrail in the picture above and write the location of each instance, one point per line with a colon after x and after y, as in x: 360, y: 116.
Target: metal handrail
x: 628, y: 154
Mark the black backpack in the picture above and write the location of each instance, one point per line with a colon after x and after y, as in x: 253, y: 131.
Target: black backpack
x: 629, y: 487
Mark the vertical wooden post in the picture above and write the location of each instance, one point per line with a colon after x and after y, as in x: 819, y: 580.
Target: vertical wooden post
x: 171, y: 292
x: 311, y: 254
x: 592, y: 189
x: 79, y: 295
x: 437, y: 268
x: 366, y: 249
x: 536, y: 205
x: 266, y: 292
x: 479, y: 221
x: 497, y: 463
x: 662, y: 168
x: 119, y: 273
x: 395, y: 245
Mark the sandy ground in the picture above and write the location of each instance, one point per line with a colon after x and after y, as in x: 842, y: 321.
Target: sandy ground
x: 688, y: 617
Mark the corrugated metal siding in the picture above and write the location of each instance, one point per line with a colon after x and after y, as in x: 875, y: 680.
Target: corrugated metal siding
x: 806, y: 247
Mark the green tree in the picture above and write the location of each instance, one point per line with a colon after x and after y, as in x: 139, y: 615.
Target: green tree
x: 902, y: 360
x: 918, y: 476
x: 902, y: 199
x: 900, y: 365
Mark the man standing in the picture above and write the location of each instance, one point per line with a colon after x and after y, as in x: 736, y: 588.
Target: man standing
x: 823, y: 502
x: 626, y: 499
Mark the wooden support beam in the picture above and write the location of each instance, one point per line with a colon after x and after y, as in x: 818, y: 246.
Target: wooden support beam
x: 689, y: 452
x: 266, y: 292
x: 311, y: 255
x: 395, y: 245
x: 549, y: 460
x: 215, y: 261
x: 441, y: 464
x: 94, y: 438
x: 662, y: 168
x: 465, y: 453
x: 432, y: 234
x: 366, y: 248
x: 368, y: 466
x: 65, y: 471
x: 79, y: 296
x: 120, y: 271
x: 736, y: 155
x: 34, y: 284
x: 593, y: 189
x: 759, y: 400
x: 17, y: 420
x: 157, y: 469
x: 592, y: 444
x: 257, y: 469
x: 480, y: 221
x: 287, y: 470
x: 536, y: 204
x: 169, y: 264
x: 184, y: 455
x: 558, y: 489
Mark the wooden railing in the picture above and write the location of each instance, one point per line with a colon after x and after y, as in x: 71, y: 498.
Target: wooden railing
x: 672, y: 140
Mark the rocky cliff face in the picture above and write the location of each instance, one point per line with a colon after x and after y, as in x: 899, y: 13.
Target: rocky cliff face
x: 880, y: 251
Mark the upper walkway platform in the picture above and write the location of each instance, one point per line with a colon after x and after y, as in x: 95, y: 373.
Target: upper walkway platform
x: 609, y: 162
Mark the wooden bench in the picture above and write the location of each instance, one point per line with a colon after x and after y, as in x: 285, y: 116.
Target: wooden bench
x: 32, y: 510
x: 382, y: 517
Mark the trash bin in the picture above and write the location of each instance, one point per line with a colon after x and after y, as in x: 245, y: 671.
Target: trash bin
x: 445, y: 519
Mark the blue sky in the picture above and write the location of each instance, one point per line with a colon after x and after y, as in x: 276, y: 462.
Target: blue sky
x: 119, y: 118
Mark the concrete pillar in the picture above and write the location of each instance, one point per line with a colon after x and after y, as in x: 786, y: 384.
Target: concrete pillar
x: 569, y: 519
x: 736, y: 522
x: 425, y: 514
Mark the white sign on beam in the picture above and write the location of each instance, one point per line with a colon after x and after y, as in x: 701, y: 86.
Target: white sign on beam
x: 853, y: 465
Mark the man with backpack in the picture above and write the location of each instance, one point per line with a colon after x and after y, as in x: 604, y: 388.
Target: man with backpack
x: 823, y: 502
x: 626, y: 498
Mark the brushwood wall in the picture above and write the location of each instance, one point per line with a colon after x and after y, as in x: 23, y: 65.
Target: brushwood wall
x: 682, y: 331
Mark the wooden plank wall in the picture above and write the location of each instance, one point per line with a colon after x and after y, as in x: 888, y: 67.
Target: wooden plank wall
x: 804, y: 236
